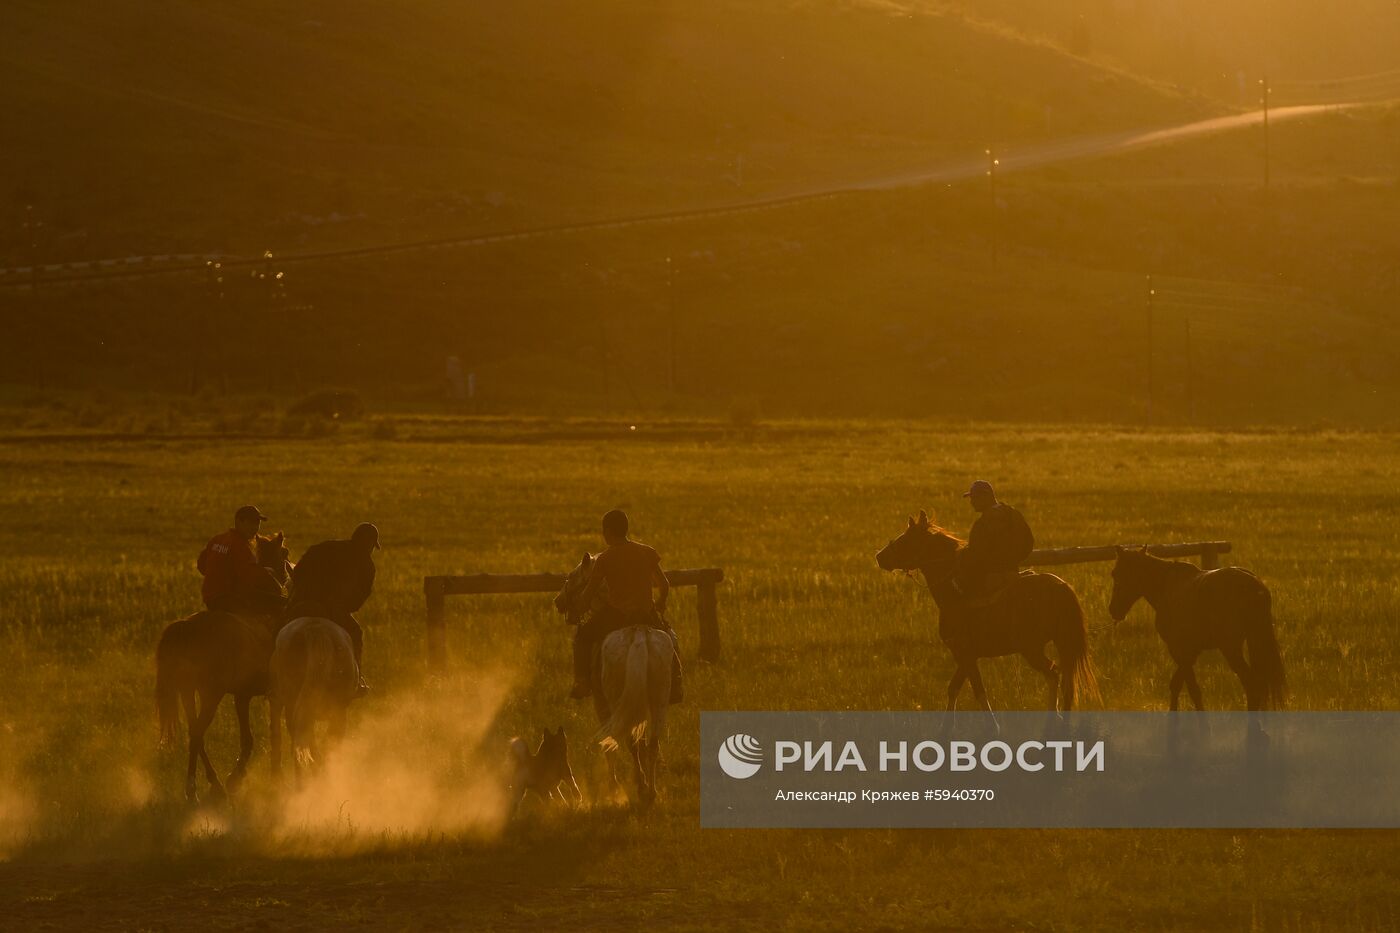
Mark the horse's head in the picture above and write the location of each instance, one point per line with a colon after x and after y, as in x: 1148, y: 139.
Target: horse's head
x: 273, y: 554
x: 1131, y: 572
x: 554, y: 748
x: 569, y: 602
x: 920, y: 546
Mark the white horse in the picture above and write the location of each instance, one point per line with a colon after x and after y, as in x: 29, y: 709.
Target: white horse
x: 314, y: 678
x: 636, y: 682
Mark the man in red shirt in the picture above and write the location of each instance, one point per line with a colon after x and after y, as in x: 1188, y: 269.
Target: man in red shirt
x: 234, y: 581
x: 629, y: 569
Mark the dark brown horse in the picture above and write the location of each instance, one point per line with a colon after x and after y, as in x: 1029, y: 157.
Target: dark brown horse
x: 1198, y: 610
x: 211, y: 654
x: 1033, y: 611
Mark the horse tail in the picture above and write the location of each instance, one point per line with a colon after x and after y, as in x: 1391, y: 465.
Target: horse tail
x: 1072, y: 643
x: 1265, y: 661
x: 631, y: 712
x: 167, y: 694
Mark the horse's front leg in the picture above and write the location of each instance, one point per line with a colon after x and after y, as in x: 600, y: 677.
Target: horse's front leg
x: 274, y: 734
x: 241, y: 703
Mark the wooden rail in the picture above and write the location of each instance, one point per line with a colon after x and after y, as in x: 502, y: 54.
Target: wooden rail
x: 437, y: 589
x: 1208, y: 551
x: 705, y: 580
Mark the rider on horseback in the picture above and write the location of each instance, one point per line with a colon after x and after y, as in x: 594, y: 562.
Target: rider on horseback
x: 336, y: 578
x: 629, y: 569
x: 999, y: 541
x: 234, y: 581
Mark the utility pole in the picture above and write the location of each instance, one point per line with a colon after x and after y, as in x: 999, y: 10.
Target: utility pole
x: 1151, y: 386
x: 1190, y: 375
x: 211, y: 322
x: 992, y: 163
x: 31, y: 243
x: 1264, y: 91
x: 671, y: 303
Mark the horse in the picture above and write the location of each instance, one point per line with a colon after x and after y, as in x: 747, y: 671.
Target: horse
x: 211, y: 654
x: 313, y: 677
x: 1197, y: 610
x: 1034, y: 610
x: 631, y: 685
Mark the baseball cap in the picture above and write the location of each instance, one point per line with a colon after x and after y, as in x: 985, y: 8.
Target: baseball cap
x: 249, y: 511
x: 980, y: 486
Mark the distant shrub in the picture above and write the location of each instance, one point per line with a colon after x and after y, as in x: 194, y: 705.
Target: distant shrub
x: 92, y: 416
x: 321, y: 427
x: 291, y: 426
x: 384, y: 429
x: 743, y: 413
x: 332, y: 404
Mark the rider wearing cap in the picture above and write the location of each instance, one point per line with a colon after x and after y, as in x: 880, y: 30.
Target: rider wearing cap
x: 999, y: 541
x: 234, y: 581
x: 336, y: 578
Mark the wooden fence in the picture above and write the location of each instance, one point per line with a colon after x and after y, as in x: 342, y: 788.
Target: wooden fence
x: 1208, y: 551
x: 437, y: 589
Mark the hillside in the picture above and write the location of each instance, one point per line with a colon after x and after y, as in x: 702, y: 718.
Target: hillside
x: 1311, y: 51
x: 165, y: 127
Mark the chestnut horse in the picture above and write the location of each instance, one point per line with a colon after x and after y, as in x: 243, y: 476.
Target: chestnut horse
x: 211, y: 654
x: 1033, y: 611
x: 1198, y: 610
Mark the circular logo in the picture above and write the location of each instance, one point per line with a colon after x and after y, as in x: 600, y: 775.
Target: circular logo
x: 741, y: 756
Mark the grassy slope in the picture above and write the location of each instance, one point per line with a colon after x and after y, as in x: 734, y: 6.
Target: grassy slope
x: 809, y: 622
x: 141, y: 128
x: 884, y: 302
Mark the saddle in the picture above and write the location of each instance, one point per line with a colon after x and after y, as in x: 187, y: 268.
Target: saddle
x: 997, y: 585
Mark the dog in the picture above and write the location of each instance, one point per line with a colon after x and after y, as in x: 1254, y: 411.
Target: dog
x: 545, y: 772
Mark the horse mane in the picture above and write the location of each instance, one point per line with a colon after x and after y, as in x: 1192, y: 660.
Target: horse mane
x: 944, y: 532
x: 935, y: 529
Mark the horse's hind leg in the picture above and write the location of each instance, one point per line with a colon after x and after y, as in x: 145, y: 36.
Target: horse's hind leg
x: 191, y: 717
x: 1047, y: 668
x: 1178, y: 678
x: 980, y: 692
x: 208, y: 706
x: 245, y: 742
x: 274, y: 734
x: 955, y: 686
x: 1235, y: 657
x: 1193, y: 687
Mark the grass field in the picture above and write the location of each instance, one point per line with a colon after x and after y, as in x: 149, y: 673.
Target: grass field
x: 100, y: 538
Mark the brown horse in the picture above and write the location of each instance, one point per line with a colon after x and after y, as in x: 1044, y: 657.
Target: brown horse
x: 1033, y: 611
x: 1197, y: 610
x: 211, y: 654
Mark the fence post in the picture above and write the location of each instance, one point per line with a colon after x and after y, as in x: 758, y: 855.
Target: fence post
x: 434, y: 589
x: 1210, y: 558
x: 706, y: 604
